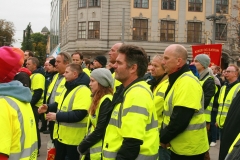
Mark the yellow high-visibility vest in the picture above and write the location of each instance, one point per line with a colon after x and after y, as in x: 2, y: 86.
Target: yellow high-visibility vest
x: 135, y: 118
x: 224, y: 105
x: 158, y: 98
x: 78, y: 98
x: 96, y: 149
x: 187, y: 92
x: 38, y: 82
x: 59, y: 89
x: 18, y: 130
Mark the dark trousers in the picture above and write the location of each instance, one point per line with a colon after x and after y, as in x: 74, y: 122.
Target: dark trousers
x: 44, y: 122
x: 213, y: 128
x: 181, y: 157
x: 36, y: 116
x: 63, y: 150
x: 51, y: 128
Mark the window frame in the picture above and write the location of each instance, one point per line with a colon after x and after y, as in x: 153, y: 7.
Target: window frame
x: 82, y: 30
x: 194, y: 5
x: 220, y: 4
x: 167, y: 30
x: 93, y: 3
x: 141, y: 4
x: 81, y: 2
x: 93, y: 30
x: 135, y: 29
x: 194, y: 33
x: 218, y: 32
x: 168, y: 4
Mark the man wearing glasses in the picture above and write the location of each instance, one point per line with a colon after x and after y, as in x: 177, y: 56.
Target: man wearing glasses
x: 227, y: 94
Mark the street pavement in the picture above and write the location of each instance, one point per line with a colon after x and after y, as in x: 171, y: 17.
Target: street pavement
x: 46, y: 137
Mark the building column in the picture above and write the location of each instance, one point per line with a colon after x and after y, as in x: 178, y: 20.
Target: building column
x: 181, y: 20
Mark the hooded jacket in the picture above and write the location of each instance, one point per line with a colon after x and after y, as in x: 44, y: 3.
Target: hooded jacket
x: 15, y: 89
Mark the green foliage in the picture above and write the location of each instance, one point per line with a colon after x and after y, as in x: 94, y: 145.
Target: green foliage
x: 6, y: 32
x: 39, y: 42
x: 35, y: 42
x: 27, y: 42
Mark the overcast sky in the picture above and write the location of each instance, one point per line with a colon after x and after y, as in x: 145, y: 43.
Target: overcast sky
x: 21, y: 12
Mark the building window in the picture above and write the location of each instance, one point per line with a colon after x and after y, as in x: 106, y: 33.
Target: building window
x: 94, y: 3
x: 195, y: 5
x: 194, y: 32
x: 140, y: 3
x: 167, y: 31
x: 82, y: 30
x: 140, y: 29
x: 82, y: 3
x: 221, y: 31
x: 222, y: 5
x: 169, y: 4
x: 94, y: 30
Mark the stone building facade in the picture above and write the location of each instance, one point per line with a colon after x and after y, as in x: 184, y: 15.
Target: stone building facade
x: 93, y: 26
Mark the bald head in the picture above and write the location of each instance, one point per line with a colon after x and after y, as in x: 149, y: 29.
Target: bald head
x: 118, y: 45
x: 175, y: 56
x: 179, y: 51
x: 113, y: 52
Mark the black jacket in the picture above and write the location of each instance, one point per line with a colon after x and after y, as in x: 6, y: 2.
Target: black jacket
x: 215, y: 101
x: 208, y: 90
x: 75, y: 115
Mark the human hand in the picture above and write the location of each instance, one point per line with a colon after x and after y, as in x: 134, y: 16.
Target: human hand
x: 51, y: 116
x: 42, y: 109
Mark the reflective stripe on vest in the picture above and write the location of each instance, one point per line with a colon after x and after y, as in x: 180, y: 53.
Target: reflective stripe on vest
x: 25, y: 152
x: 73, y: 125
x: 96, y: 150
x: 55, y: 88
x: 56, y: 94
x: 161, y: 94
x: 224, y: 106
x: 134, y: 109
x: 108, y: 154
x: 153, y: 124
x: 190, y: 126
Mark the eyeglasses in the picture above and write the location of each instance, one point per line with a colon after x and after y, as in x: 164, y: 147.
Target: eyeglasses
x: 229, y: 71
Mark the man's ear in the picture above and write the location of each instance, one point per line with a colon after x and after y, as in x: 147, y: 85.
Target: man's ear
x: 133, y: 68
x: 75, y: 73
x: 179, y: 61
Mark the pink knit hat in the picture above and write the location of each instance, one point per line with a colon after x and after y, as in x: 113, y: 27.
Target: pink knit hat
x: 11, y: 59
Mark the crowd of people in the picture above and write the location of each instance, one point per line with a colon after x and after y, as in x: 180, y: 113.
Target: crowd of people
x: 121, y: 108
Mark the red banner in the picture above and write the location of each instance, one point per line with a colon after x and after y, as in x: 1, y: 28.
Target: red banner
x: 214, y: 51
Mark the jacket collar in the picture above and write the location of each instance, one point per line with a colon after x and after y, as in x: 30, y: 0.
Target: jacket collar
x: 174, y: 76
